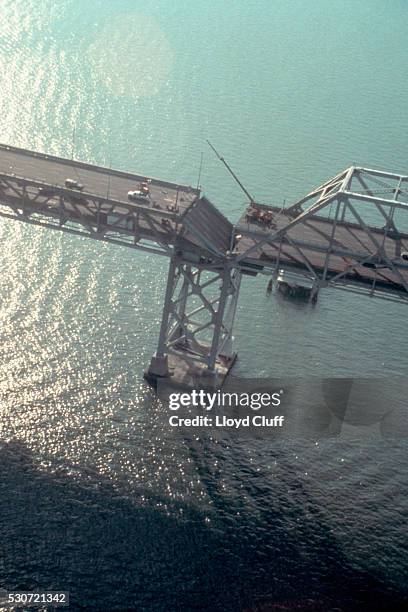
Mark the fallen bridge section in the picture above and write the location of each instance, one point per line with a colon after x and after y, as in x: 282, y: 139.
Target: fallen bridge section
x: 167, y: 219
x: 351, y: 232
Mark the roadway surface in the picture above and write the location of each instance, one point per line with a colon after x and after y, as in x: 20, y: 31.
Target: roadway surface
x: 103, y: 204
x: 313, y: 235
x: 103, y: 182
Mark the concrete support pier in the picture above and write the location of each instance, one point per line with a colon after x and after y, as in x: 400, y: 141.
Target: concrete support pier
x: 188, y: 374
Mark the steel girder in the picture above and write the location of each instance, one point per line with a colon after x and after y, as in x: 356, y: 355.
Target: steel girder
x: 352, y: 231
x: 199, y: 311
x: 80, y: 213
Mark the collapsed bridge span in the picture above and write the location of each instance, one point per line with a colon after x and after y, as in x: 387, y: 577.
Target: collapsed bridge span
x: 349, y: 233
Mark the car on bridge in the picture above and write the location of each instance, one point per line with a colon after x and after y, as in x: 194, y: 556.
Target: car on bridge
x: 73, y: 184
x: 138, y: 194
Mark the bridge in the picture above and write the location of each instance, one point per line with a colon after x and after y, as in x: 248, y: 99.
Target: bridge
x: 350, y: 233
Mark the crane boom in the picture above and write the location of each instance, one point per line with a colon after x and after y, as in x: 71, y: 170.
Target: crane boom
x: 251, y: 199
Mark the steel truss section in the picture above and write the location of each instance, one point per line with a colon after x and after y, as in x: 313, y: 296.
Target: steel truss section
x: 352, y: 230
x: 350, y: 233
x: 80, y: 213
x: 198, y: 313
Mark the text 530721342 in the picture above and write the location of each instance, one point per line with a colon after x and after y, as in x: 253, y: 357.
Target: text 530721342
x: 33, y: 599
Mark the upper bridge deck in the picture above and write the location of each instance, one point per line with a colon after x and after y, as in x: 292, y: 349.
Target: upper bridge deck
x: 338, y: 248
x: 316, y: 243
x: 96, y: 180
x: 33, y: 188
x: 353, y: 229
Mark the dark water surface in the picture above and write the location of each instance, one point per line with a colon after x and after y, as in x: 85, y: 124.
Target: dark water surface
x: 98, y: 497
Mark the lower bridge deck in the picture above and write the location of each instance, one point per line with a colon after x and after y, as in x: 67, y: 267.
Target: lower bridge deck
x: 317, y: 244
x: 208, y: 254
x: 33, y: 188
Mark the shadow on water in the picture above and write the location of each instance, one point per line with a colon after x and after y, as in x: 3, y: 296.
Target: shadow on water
x: 288, y: 558
x: 115, y: 553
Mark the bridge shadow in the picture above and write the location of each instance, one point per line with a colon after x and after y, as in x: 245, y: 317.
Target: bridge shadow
x: 114, y: 552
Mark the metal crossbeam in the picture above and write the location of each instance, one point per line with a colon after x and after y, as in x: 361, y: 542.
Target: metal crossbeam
x: 351, y: 232
x: 361, y: 244
x: 83, y: 213
x: 198, y: 313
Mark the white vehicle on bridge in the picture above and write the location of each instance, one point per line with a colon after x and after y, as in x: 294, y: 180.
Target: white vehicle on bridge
x: 138, y: 195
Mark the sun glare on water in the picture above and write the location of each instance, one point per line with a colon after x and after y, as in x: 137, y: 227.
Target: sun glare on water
x: 131, y: 56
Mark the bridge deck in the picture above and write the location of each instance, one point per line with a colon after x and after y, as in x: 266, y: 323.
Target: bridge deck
x: 176, y: 215
x: 32, y: 189
x: 308, y: 243
x: 97, y: 180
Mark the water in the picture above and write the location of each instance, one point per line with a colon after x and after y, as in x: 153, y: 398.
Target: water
x: 98, y: 497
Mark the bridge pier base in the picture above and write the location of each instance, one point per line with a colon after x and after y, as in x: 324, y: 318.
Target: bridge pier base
x: 195, y: 345
x: 159, y: 366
